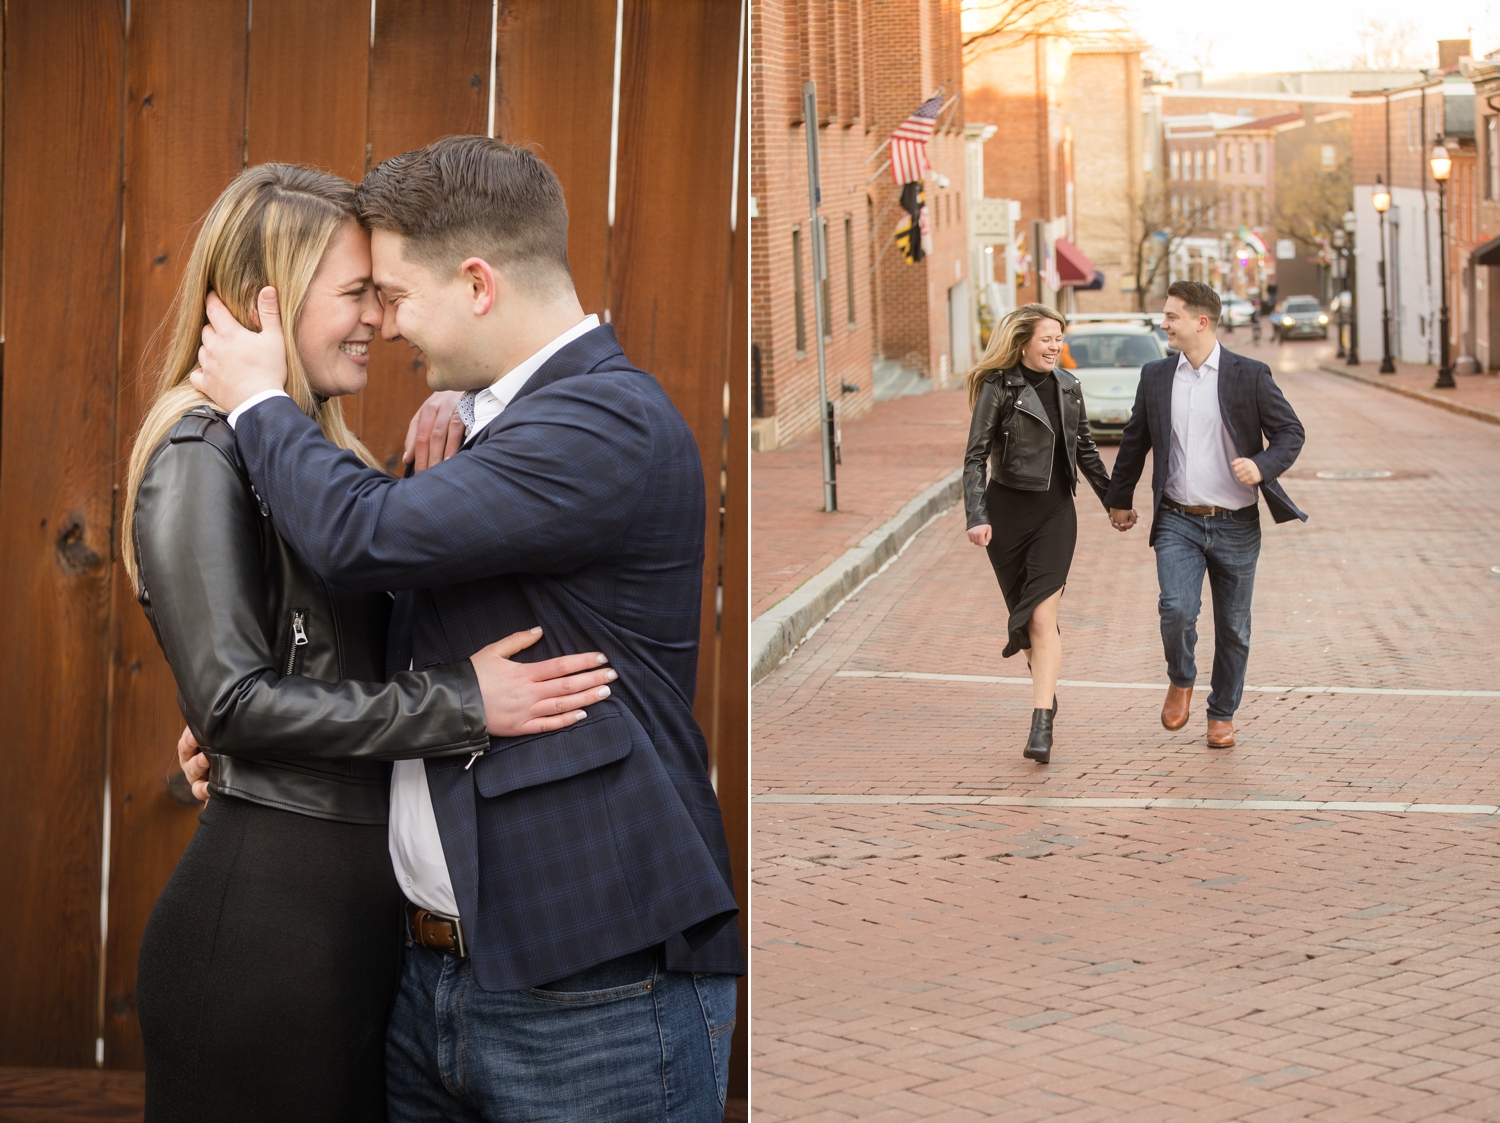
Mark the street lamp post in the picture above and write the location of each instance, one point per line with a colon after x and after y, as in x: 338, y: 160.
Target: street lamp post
x: 1351, y: 284
x: 1442, y: 166
x: 1381, y: 200
x: 1339, y: 240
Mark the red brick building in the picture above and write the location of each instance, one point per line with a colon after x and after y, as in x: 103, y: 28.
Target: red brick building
x: 1394, y: 132
x: 874, y: 62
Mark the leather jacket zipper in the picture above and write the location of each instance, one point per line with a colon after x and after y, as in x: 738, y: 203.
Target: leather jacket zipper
x: 299, y: 640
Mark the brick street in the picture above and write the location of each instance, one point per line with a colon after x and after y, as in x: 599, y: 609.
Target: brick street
x: 1302, y: 927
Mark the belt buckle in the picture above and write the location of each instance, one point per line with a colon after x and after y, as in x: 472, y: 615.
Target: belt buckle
x: 420, y: 916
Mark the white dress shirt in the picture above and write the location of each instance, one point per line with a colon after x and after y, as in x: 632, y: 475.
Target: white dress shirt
x: 416, y: 846
x: 1198, y: 471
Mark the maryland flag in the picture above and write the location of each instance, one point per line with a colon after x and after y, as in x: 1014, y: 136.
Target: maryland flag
x: 913, y: 234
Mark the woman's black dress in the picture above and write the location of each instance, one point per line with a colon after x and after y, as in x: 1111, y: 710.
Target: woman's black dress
x: 268, y: 969
x: 1033, y: 533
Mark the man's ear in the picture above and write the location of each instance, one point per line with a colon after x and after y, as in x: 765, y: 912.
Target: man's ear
x: 483, y: 282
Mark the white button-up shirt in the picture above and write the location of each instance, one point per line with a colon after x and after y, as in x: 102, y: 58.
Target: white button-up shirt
x: 1198, y: 471
x: 415, y: 844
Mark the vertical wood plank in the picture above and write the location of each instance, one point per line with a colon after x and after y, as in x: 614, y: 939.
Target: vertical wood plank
x: 670, y: 253
x: 184, y: 141
x: 309, y: 84
x: 732, y: 734
x: 61, y: 205
x: 555, y: 77
x: 429, y: 78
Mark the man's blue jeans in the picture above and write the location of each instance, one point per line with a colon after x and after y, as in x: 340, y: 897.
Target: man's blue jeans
x: 627, y: 1041
x: 1227, y: 546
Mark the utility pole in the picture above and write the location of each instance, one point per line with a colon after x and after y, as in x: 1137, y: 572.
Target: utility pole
x: 820, y: 279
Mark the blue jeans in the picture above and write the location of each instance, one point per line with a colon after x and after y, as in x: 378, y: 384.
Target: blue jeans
x: 626, y: 1041
x: 1227, y: 547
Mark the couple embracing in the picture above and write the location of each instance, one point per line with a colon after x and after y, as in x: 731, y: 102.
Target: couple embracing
x: 461, y: 858
x: 1218, y: 429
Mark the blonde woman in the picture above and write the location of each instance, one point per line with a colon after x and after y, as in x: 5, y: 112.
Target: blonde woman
x: 1030, y: 436
x: 268, y: 965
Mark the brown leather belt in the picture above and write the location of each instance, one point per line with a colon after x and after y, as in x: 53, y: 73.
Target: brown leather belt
x: 1186, y: 510
x: 436, y: 931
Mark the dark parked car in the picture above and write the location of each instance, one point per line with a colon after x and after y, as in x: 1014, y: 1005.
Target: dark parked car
x: 1299, y: 317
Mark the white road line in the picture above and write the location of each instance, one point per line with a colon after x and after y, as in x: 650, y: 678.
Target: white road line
x: 923, y: 676
x: 1135, y: 804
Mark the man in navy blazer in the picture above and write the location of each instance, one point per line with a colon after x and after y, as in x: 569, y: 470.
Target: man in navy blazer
x: 1218, y: 429
x: 571, y: 952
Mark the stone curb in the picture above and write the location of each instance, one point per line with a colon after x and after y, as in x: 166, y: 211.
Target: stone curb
x: 1420, y: 395
x: 779, y: 630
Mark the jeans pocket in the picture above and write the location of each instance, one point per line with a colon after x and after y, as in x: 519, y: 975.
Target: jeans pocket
x: 590, y: 997
x: 717, y: 995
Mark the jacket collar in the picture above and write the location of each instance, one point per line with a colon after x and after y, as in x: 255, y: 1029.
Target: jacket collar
x: 579, y: 357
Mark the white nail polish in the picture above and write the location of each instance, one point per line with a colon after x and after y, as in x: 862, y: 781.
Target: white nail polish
x: 604, y: 659
x: 610, y: 676
x: 604, y: 692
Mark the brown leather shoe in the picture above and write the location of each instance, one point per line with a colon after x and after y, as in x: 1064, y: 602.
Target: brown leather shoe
x: 1174, y: 712
x: 1220, y: 734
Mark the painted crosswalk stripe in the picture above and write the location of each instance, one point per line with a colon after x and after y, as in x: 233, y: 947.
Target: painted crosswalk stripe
x: 1157, y: 804
x: 997, y: 680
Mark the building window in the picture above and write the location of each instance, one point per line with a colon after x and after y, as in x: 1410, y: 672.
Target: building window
x: 1213, y: 163
x: 1492, y: 159
x: 1198, y: 164
x: 1175, y: 207
x: 1259, y: 151
x: 1328, y: 155
x: 849, y: 263
x: 1176, y: 166
x: 799, y: 301
x: 1244, y: 156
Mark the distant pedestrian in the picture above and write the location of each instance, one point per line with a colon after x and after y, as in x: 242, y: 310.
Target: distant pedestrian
x: 1218, y: 428
x: 1031, y: 432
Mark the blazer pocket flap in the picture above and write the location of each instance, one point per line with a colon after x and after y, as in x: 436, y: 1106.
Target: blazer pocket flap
x: 513, y: 763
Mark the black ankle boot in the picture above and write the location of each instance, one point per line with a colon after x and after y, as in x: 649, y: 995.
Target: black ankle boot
x: 1039, y: 744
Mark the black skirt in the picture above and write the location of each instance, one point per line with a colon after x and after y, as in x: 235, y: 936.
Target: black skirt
x: 1032, y: 537
x: 267, y: 971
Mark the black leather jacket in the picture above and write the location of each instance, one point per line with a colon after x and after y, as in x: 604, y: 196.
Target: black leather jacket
x: 1011, y: 433
x: 281, y: 674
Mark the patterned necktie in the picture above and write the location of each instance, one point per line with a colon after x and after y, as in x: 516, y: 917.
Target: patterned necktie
x: 466, y: 411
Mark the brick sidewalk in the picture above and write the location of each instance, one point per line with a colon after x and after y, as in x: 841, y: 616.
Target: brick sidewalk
x: 890, y: 455
x: 954, y: 961
x: 1478, y: 394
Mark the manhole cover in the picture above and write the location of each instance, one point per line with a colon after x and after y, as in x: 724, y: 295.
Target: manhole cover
x: 1355, y: 474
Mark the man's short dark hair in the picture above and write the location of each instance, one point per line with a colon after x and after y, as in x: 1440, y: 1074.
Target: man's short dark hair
x: 1199, y: 298
x: 471, y: 196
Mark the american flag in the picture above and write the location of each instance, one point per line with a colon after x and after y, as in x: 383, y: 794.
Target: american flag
x: 909, y: 142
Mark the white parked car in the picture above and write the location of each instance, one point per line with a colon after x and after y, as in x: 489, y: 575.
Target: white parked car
x: 1107, y: 360
x: 1236, y: 312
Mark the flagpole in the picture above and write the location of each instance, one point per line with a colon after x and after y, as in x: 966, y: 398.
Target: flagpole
x: 820, y: 279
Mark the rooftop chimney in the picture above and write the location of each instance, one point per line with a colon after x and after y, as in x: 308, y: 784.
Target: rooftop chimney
x: 1450, y: 51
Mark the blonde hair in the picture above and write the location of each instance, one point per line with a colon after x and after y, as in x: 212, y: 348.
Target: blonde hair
x: 271, y: 226
x: 1007, y: 342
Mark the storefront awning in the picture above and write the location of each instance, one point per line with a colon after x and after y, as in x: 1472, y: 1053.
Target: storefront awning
x: 1487, y: 254
x: 1073, y: 268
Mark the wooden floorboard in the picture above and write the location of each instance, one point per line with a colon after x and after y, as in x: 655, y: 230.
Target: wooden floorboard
x: 71, y: 1095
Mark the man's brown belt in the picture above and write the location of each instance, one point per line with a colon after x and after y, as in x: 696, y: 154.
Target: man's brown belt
x: 1176, y: 506
x: 436, y: 931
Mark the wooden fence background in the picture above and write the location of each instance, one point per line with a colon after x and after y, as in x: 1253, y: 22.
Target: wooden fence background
x: 122, y: 120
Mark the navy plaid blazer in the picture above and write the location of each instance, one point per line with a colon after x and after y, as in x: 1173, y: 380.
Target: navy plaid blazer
x: 581, y: 509
x: 1259, y: 420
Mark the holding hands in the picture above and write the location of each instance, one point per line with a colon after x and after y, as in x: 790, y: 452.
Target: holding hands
x: 1122, y: 520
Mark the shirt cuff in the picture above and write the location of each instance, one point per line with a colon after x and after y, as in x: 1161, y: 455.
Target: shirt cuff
x: 253, y: 401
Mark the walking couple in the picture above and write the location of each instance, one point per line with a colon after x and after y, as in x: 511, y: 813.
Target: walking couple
x: 566, y: 945
x: 1217, y: 427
